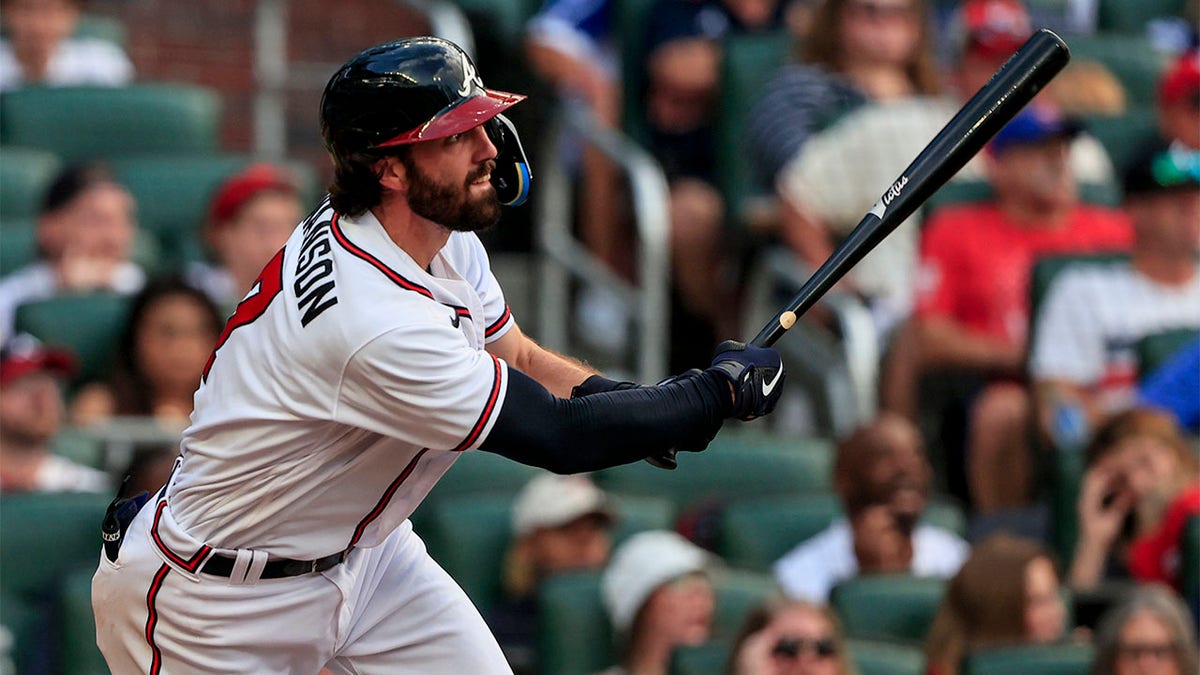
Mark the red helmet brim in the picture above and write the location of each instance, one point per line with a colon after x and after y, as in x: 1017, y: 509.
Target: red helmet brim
x: 455, y: 120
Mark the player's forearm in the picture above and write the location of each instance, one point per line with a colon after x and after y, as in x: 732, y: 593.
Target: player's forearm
x: 556, y: 372
x: 604, y: 429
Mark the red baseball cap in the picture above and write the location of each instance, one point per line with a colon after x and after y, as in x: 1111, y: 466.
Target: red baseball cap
x: 994, y: 28
x: 24, y: 354
x: 244, y: 186
x: 1181, y: 82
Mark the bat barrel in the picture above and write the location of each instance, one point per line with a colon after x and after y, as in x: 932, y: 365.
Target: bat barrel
x: 992, y: 107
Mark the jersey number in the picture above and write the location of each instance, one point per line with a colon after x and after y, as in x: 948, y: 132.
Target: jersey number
x: 269, y: 283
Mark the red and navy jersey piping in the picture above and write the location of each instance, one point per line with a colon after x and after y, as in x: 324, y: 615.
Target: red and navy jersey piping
x: 386, y: 498
x: 488, y: 408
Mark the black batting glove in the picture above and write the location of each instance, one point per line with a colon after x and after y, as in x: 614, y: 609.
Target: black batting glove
x: 598, y: 384
x: 756, y: 374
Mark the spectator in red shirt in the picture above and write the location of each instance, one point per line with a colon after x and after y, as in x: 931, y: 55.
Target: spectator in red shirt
x: 972, y: 307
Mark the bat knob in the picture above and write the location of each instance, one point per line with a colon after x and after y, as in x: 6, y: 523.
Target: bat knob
x: 664, y: 460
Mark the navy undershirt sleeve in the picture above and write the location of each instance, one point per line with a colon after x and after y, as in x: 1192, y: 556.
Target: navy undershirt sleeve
x: 603, y: 430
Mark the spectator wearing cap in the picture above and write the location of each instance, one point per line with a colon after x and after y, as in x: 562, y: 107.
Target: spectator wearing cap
x: 250, y: 218
x: 1083, y: 360
x: 659, y: 596
x: 559, y: 524
x: 85, y: 235
x: 883, y: 479
x: 1178, y: 100
x: 40, y: 48
x: 972, y: 308
x: 31, y: 416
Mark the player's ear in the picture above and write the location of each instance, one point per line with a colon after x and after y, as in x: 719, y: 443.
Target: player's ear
x: 393, y: 175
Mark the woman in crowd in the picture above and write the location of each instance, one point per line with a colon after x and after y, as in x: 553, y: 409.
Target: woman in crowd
x: 1149, y: 633
x: 1141, y: 485
x: 1007, y: 593
x: 781, y: 637
x: 659, y: 596
x: 171, y: 331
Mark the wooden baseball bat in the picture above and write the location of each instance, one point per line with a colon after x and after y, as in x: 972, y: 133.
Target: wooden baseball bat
x: 993, y: 106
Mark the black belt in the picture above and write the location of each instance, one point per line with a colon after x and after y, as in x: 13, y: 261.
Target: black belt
x: 222, y: 566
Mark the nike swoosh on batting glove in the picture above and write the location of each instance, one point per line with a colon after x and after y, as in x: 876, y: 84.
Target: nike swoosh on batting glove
x: 757, y: 376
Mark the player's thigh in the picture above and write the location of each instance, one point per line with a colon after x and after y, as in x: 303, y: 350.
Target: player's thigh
x: 412, y: 617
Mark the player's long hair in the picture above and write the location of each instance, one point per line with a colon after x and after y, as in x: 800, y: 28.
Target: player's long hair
x: 355, y: 187
x: 823, y: 46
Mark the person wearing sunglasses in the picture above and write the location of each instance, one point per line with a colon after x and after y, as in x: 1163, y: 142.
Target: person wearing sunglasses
x: 1150, y: 632
x: 781, y: 637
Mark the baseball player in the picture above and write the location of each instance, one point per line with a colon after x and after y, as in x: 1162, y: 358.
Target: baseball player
x: 374, y: 348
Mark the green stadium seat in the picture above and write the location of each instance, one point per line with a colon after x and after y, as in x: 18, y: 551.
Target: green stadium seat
x: 25, y: 174
x: 88, y: 324
x: 1190, y: 551
x: 888, y: 607
x: 632, y: 18
x: 1132, y: 59
x: 754, y: 533
x: 1072, y: 659
x: 1125, y: 135
x: 99, y: 27
x: 482, y: 473
x: 110, y: 122
x: 576, y: 637
x: 1125, y: 16
x: 44, y: 537
x: 727, y: 470
x: 1065, y: 483
x: 748, y: 61
x: 18, y: 245
x: 1154, y: 350
x: 78, y: 653
x: 706, y: 659
x: 873, y: 657
x: 173, y: 195
x: 468, y: 535
x: 28, y: 624
x: 502, y: 19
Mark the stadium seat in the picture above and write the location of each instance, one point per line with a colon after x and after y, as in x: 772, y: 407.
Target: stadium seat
x: 576, y: 637
x: 468, y: 535
x: 77, y: 650
x: 1132, y: 59
x: 173, y: 195
x: 105, y: 28
x: 706, y: 659
x: 1131, y: 17
x: 503, y: 20
x: 481, y: 472
x: 1073, y: 659
x: 754, y: 533
x: 43, y: 536
x: 872, y: 657
x: 888, y: 607
x: 727, y: 470
x: 110, y: 122
x: 748, y: 61
x: 25, y: 173
x: 1125, y: 135
x: 88, y: 324
x: 18, y: 244
x: 630, y: 28
x: 1155, y: 349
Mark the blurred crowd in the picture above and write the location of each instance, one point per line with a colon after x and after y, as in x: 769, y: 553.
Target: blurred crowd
x: 1033, y: 335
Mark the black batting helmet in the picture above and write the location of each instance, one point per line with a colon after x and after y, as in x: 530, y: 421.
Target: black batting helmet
x: 402, y: 92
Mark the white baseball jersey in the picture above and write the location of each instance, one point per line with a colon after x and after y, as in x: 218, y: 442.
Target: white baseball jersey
x: 342, y: 388
x: 1092, y: 319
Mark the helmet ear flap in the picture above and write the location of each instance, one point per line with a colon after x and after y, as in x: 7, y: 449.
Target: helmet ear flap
x: 512, y: 175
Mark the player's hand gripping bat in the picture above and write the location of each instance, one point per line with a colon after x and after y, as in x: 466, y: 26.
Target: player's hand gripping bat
x: 992, y: 107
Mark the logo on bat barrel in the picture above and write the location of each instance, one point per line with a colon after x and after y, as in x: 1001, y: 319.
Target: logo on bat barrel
x: 894, y: 191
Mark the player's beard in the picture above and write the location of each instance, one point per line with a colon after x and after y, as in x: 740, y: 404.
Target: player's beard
x: 452, y: 206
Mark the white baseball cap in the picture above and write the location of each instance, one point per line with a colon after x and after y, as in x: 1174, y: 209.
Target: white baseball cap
x: 550, y: 500
x: 641, y: 564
